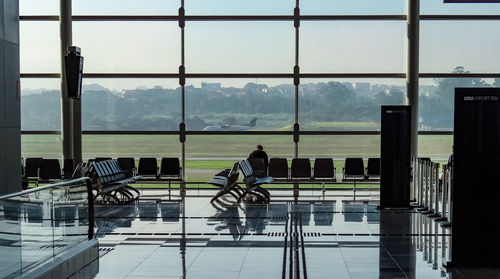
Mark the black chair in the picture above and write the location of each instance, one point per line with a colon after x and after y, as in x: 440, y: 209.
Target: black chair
x: 354, y: 169
x: 301, y: 168
x: 170, y: 167
x: 68, y: 168
x: 373, y: 169
x: 148, y: 167
x: 31, y: 168
x: 253, y: 183
x: 278, y: 168
x: 127, y: 164
x: 50, y: 171
x: 259, y: 166
x: 324, y: 168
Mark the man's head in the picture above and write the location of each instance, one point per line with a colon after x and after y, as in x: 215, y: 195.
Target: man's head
x: 260, y: 147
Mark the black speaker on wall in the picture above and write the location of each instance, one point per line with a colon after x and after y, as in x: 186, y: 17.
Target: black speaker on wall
x: 395, y: 156
x: 476, y: 182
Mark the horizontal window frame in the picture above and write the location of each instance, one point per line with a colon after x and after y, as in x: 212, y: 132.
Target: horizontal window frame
x: 265, y: 133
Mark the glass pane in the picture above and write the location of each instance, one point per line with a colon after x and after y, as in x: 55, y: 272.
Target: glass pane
x: 241, y: 47
x: 131, y: 104
x: 353, y: 46
x: 445, y: 45
x: 131, y: 146
x: 39, y: 47
x: 437, y: 147
x: 71, y: 216
x: 125, y: 7
x: 41, y: 146
x: 135, y: 47
x: 38, y: 7
x: 239, y: 7
x: 232, y: 104
x: 10, y: 237
x: 40, y: 104
x: 436, y: 100
x: 207, y: 155
x: 346, y: 105
x: 353, y: 7
x: 440, y: 8
x: 339, y: 147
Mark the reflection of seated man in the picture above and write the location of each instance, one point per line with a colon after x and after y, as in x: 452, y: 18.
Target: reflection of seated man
x: 254, y: 220
x: 260, y: 153
x: 229, y: 218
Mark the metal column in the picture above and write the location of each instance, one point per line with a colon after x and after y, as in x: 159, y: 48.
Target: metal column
x: 67, y: 125
x: 413, y: 36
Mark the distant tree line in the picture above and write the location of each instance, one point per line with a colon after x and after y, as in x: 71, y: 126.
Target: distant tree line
x: 159, y: 109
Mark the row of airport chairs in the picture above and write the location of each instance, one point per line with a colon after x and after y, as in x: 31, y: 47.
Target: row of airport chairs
x: 41, y: 170
x: 324, y: 169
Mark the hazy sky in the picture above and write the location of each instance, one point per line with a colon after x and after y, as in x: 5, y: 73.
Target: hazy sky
x: 252, y: 47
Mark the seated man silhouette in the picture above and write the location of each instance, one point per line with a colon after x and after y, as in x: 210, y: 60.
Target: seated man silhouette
x: 259, y: 153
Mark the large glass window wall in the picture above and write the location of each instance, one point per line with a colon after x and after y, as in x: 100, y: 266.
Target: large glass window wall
x: 239, y: 59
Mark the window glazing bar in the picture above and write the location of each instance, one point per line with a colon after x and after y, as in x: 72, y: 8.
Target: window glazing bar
x: 215, y: 133
x: 255, y: 17
x: 267, y: 75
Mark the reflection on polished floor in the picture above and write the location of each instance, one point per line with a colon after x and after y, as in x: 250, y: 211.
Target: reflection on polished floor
x: 310, y: 237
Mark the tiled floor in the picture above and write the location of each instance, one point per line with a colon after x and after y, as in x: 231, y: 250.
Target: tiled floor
x: 315, y: 236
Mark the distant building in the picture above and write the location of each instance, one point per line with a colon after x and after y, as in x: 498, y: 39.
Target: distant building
x: 207, y: 85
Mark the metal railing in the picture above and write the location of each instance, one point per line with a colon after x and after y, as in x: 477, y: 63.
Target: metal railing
x: 432, y: 194
x: 39, y: 224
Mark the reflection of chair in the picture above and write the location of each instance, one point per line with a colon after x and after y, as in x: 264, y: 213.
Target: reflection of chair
x: 148, y: 211
x: 303, y: 210
x: 34, y: 212
x: 301, y: 168
x: 373, y: 169
x: 278, y: 168
x: 372, y: 215
x: 170, y: 211
x: 324, y: 169
x: 354, y: 169
x: 64, y: 215
x: 277, y: 212
x: 323, y: 213
x: 50, y: 171
x: 353, y: 212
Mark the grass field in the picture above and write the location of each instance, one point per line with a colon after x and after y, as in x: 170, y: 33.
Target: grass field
x: 207, y: 154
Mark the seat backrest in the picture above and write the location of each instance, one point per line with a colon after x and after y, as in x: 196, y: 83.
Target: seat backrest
x: 354, y: 166
x: 127, y: 165
x: 278, y: 168
x: 258, y: 165
x: 170, y: 167
x: 50, y: 169
x: 246, y: 168
x: 323, y: 168
x: 101, y: 159
x: 231, y: 180
x: 301, y: 168
x: 373, y: 167
x: 118, y: 173
x: 31, y: 167
x: 148, y: 166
